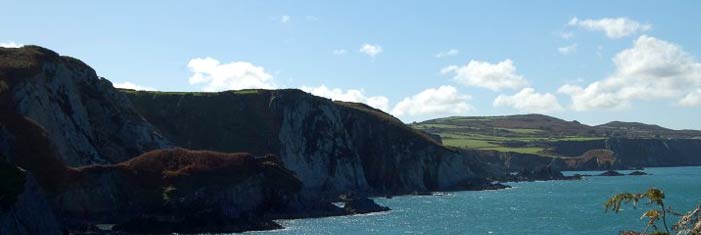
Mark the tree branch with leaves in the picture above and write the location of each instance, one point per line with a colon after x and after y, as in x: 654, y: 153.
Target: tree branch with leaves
x: 688, y: 224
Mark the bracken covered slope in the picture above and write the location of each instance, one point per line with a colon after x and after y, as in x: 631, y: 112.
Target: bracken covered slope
x: 179, y: 190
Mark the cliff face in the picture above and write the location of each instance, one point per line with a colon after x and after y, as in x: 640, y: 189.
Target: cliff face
x: 628, y: 153
x: 614, y: 153
x: 88, y: 120
x: 656, y: 152
x: 576, y: 148
x: 332, y: 147
x: 54, y: 112
x: 397, y: 158
x: 23, y: 207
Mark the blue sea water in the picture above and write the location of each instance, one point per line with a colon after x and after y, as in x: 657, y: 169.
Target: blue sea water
x: 553, y: 207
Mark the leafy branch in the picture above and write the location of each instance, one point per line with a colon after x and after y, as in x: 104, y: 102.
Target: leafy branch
x: 688, y: 224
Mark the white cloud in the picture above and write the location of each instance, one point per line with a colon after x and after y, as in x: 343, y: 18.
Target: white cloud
x: 444, y: 100
x: 10, y: 44
x: 528, y: 100
x: 311, y: 18
x: 216, y: 76
x: 613, y: 27
x: 130, y: 85
x: 484, y: 74
x: 450, y: 52
x: 652, y: 69
x: 566, y: 50
x: 285, y: 19
x: 350, y: 95
x: 693, y: 99
x: 371, y: 49
x: 339, y: 51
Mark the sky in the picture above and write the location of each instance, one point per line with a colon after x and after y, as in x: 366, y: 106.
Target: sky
x: 591, y: 61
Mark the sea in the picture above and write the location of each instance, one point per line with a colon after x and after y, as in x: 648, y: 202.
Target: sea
x: 548, y: 207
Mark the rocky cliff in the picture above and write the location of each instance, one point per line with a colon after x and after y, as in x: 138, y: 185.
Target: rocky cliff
x: 333, y: 147
x: 89, y: 121
x: 85, y: 144
x: 23, y: 207
x: 656, y: 152
x: 629, y: 153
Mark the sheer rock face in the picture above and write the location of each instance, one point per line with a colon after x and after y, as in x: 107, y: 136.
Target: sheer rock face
x: 656, y: 152
x: 333, y: 147
x: 30, y: 213
x: 89, y: 121
x: 314, y: 144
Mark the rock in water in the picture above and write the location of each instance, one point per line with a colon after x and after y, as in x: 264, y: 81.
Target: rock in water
x: 363, y: 205
x: 610, y: 173
x: 638, y: 173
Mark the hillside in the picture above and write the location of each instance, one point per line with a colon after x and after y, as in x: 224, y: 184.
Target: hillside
x: 633, y: 144
x: 642, y: 130
x: 517, y: 133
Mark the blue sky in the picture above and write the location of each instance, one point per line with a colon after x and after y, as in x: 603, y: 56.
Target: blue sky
x: 592, y: 61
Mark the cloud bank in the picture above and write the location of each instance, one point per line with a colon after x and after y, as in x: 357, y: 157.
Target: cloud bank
x: 652, y: 69
x: 528, y: 100
x: 130, y: 85
x: 213, y: 75
x: 444, y: 100
x: 495, y: 77
x: 350, y: 95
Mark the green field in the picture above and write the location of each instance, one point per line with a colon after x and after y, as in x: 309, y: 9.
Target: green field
x: 529, y: 136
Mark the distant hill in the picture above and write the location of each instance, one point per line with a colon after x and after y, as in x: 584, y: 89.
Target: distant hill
x: 647, y: 130
x: 514, y: 124
x: 633, y: 126
x: 536, y: 133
